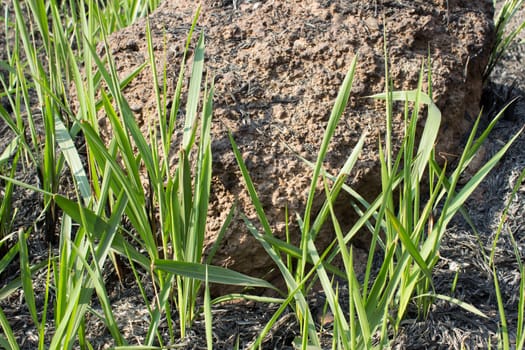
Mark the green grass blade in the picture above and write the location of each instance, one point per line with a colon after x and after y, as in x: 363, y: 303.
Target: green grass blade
x: 504, y: 35
x: 202, y: 184
x: 8, y: 332
x: 81, y: 289
x: 110, y: 78
x: 16, y: 284
x: 339, y: 182
x: 98, y: 282
x: 27, y: 283
x: 9, y: 151
x: 207, y: 313
x: 97, y: 225
x: 43, y: 324
x: 356, y: 303
x: 365, y: 323
x: 284, y: 304
x: 137, y: 213
x: 337, y: 111
x: 72, y: 157
x: 474, y: 182
x: 250, y: 187
x: 161, y: 302
x: 10, y: 343
x: 404, y: 236
x: 215, y: 274
x: 9, y: 256
x: 521, y: 310
x: 504, y: 330
x: 344, y: 331
x: 4, y: 344
x: 302, y: 305
x: 178, y: 90
x: 94, y: 223
x: 468, y: 307
x: 430, y: 132
x: 65, y: 265
x: 190, y: 121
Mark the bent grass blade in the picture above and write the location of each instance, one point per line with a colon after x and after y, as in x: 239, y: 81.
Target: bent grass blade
x: 214, y: 274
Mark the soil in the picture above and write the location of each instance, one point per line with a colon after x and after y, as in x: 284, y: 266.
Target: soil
x: 277, y: 68
x: 447, y: 326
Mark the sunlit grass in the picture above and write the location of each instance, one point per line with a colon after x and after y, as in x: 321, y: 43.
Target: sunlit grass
x: 166, y: 217
x: 505, y: 36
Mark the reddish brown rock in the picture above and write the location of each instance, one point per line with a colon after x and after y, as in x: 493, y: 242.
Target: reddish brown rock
x: 278, y: 66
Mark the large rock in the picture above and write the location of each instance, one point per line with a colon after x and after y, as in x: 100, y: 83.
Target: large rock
x: 278, y: 66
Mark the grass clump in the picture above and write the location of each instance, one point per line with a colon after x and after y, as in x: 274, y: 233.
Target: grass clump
x: 130, y: 180
x: 504, y: 36
x: 406, y: 230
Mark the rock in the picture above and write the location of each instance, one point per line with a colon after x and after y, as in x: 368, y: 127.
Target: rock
x: 278, y: 66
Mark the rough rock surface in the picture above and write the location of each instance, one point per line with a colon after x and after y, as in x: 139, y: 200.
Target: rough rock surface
x: 278, y: 66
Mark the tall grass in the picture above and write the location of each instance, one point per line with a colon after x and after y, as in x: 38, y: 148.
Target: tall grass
x: 406, y: 230
x: 505, y: 36
x: 41, y: 65
x: 518, y: 341
x: 166, y: 213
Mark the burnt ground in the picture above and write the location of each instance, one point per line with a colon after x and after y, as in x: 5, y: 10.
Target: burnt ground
x: 463, y: 254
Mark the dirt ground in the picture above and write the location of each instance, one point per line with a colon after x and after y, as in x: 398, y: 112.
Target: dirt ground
x: 447, y: 327
x: 277, y: 68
